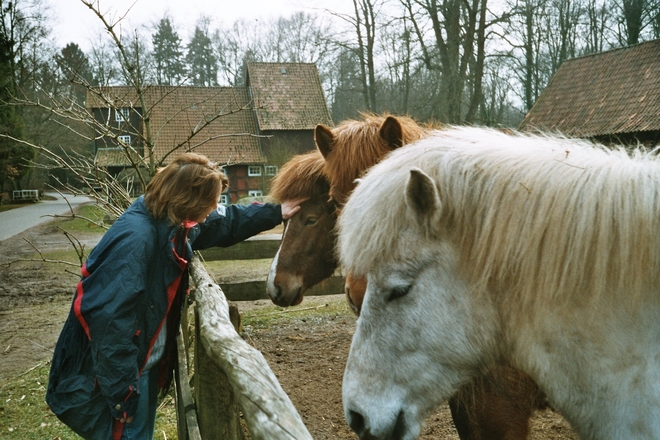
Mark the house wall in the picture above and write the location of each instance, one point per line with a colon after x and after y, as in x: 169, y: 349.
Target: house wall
x: 282, y: 145
x: 649, y: 139
x: 240, y: 183
x: 130, y: 127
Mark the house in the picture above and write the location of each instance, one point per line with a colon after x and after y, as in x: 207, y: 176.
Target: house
x: 612, y: 97
x: 250, y: 130
x: 289, y: 102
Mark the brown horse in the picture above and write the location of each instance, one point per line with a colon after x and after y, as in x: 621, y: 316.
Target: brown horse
x: 300, y: 264
x: 496, y: 405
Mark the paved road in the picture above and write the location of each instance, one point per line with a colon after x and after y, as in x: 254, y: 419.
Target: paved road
x: 17, y: 220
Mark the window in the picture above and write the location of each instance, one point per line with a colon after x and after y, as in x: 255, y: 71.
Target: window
x: 255, y: 193
x: 121, y: 114
x: 125, y: 139
x: 271, y: 170
x: 224, y: 199
x: 254, y: 170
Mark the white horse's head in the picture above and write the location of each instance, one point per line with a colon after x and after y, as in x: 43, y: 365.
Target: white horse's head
x: 480, y: 246
x: 420, y: 336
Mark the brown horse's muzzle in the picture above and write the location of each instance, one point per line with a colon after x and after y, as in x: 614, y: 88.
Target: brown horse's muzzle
x: 355, y: 288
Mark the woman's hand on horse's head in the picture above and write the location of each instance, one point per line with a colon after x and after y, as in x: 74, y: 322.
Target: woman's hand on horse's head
x: 290, y: 207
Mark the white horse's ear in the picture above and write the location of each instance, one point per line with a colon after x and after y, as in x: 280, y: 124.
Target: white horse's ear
x: 324, y: 139
x: 422, y: 197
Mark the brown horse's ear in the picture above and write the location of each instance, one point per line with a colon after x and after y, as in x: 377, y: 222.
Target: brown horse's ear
x: 324, y: 139
x: 391, y: 132
x: 422, y: 196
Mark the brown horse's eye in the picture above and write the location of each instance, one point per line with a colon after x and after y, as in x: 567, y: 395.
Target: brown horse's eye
x: 311, y: 221
x: 398, y: 292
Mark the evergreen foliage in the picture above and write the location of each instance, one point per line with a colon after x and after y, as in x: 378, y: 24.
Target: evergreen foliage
x: 168, y: 54
x: 202, y: 62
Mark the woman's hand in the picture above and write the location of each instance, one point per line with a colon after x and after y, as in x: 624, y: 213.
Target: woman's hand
x: 290, y: 207
x: 128, y: 420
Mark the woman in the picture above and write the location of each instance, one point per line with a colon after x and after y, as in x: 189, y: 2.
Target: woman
x: 117, y: 348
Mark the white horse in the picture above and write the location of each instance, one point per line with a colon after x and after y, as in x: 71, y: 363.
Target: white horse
x: 482, y: 247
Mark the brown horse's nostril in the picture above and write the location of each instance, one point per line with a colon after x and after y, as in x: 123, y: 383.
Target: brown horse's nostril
x: 276, y: 294
x: 351, y: 304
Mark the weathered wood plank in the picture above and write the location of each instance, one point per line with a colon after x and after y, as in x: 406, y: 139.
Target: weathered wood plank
x: 254, y: 290
x: 185, y: 406
x: 218, y: 410
x: 257, y: 247
x: 267, y: 409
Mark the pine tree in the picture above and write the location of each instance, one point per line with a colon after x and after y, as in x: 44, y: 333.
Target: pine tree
x: 202, y: 62
x: 168, y: 54
x: 75, y: 70
x: 13, y: 155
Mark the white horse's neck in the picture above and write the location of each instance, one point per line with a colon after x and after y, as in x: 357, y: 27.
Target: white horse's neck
x: 610, y: 387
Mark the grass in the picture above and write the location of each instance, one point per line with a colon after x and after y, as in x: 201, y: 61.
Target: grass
x: 10, y: 206
x: 273, y: 315
x: 81, y: 225
x: 24, y: 414
x: 55, y: 260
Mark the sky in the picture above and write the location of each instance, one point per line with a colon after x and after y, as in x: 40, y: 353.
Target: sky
x: 74, y: 22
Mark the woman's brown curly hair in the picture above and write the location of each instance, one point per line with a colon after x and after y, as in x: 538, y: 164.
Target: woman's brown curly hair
x: 185, y: 189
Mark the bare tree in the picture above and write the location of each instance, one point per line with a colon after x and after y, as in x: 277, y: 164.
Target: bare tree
x: 634, y: 19
x: 457, y: 31
x: 234, y: 46
x: 397, y: 47
x: 598, y: 17
x: 526, y: 35
x: 564, y: 19
x: 66, y: 111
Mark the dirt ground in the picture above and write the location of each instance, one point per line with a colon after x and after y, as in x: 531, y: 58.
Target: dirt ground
x: 306, y: 354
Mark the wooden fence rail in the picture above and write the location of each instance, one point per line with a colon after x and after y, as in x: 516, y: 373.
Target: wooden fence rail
x: 261, y: 247
x: 267, y: 410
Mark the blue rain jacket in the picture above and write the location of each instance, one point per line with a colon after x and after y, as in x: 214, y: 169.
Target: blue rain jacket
x: 133, y: 280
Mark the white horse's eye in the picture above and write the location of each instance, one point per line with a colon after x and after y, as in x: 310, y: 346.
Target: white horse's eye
x: 398, y: 292
x: 311, y: 221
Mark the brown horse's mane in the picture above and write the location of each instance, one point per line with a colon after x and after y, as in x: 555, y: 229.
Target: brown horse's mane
x: 357, y: 146
x: 302, y: 176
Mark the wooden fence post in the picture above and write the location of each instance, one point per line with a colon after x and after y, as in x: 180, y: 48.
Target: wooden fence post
x: 218, y: 412
x: 268, y: 411
x: 188, y: 429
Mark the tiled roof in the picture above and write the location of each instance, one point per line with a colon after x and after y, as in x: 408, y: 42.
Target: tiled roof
x: 221, y: 119
x: 614, y: 92
x: 116, y: 156
x: 288, y: 96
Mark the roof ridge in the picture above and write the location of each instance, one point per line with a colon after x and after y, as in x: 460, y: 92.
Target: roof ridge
x: 611, y: 50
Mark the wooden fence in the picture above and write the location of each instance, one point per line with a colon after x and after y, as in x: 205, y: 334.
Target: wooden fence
x: 259, y: 247
x: 230, y: 376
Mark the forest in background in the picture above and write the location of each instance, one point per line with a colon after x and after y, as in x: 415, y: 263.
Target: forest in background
x: 479, y: 62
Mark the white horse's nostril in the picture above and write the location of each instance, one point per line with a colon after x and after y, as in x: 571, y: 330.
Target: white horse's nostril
x: 356, y: 422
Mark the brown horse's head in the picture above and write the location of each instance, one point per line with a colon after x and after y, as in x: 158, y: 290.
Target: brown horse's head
x: 354, y: 146
x: 306, y: 255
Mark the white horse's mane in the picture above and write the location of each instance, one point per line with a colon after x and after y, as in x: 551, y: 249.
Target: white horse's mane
x: 532, y: 215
